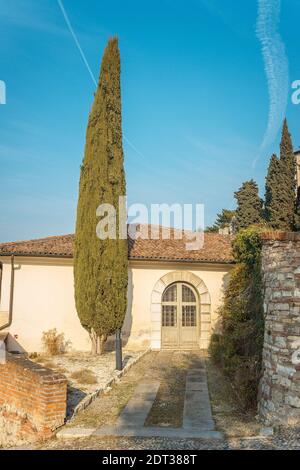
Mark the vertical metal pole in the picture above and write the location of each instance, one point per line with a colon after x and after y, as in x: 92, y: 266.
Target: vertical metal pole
x: 119, y: 365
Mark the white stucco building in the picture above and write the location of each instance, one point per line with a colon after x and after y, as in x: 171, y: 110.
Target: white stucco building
x: 173, y: 294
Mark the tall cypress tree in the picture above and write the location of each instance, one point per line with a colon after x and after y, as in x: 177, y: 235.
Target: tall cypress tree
x: 272, y: 193
x: 101, y: 266
x: 288, y: 177
x: 249, y: 205
x: 281, y: 185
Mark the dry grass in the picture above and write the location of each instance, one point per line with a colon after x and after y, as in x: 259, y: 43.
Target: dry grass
x: 54, y: 343
x: 38, y: 357
x: 106, y: 409
x: 49, y: 364
x: 226, y: 411
x: 168, y: 368
x: 61, y: 370
x: 167, y: 409
x: 84, y: 376
x: 164, y: 367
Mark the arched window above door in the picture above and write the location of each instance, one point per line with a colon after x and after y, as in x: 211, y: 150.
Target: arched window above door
x: 170, y: 294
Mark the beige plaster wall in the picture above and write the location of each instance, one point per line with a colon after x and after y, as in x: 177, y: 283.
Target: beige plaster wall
x: 144, y: 278
x: 44, y: 299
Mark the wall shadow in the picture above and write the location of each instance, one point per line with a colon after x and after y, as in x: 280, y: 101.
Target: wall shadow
x: 218, y: 324
x: 13, y: 346
x: 74, y: 396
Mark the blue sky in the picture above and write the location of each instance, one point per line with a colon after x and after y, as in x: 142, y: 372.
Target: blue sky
x: 195, y: 102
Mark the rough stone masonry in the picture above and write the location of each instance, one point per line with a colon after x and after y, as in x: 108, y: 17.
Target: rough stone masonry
x: 279, y: 394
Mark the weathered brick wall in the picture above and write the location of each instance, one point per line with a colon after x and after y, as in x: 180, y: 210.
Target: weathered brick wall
x: 32, y: 399
x: 279, y: 395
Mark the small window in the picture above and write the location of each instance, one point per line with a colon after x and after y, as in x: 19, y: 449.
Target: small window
x: 169, y: 315
x: 189, y: 315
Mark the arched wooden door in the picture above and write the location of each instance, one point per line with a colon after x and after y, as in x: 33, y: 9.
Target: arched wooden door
x: 180, y: 317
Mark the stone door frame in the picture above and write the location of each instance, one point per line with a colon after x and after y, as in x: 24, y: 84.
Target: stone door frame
x: 204, y: 303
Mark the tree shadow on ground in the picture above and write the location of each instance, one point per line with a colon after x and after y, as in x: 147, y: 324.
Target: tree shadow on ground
x: 74, y: 396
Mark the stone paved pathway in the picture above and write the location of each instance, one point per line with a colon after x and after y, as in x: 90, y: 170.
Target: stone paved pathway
x: 136, y: 411
x: 197, y: 412
x: 170, y: 370
x: 197, y: 416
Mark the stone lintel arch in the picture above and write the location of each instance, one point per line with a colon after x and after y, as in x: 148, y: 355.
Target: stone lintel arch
x: 204, y: 301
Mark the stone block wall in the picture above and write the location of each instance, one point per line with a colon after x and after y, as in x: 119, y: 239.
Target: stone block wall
x: 279, y: 394
x: 32, y: 399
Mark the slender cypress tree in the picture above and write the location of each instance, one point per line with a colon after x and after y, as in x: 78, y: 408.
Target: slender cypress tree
x: 281, y: 185
x: 288, y: 178
x: 249, y: 205
x: 272, y: 193
x: 101, y: 266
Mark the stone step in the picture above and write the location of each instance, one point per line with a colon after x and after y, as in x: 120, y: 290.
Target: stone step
x: 139, y: 406
x: 197, y: 413
x: 170, y: 433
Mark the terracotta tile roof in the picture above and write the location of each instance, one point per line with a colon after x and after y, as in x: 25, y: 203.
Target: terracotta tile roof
x: 216, y: 248
x: 60, y: 246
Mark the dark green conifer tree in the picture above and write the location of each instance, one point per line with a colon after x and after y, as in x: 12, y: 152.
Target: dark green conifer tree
x: 281, y: 185
x: 101, y: 266
x: 249, y: 205
x: 288, y: 178
x: 272, y: 192
x: 223, y: 220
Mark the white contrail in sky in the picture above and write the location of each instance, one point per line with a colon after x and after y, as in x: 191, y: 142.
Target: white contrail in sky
x: 276, y: 67
x: 73, y: 34
x: 76, y: 41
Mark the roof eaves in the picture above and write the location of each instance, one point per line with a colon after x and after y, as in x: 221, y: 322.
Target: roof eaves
x: 36, y: 254
x: 185, y: 260
x: 131, y: 258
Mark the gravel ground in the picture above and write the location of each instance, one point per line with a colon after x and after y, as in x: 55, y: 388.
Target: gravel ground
x: 101, y: 369
x: 284, y: 440
x: 240, y: 430
x: 155, y: 366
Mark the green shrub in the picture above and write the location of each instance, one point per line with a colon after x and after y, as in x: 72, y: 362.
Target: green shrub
x: 215, y: 348
x: 238, y: 349
x: 247, y: 246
